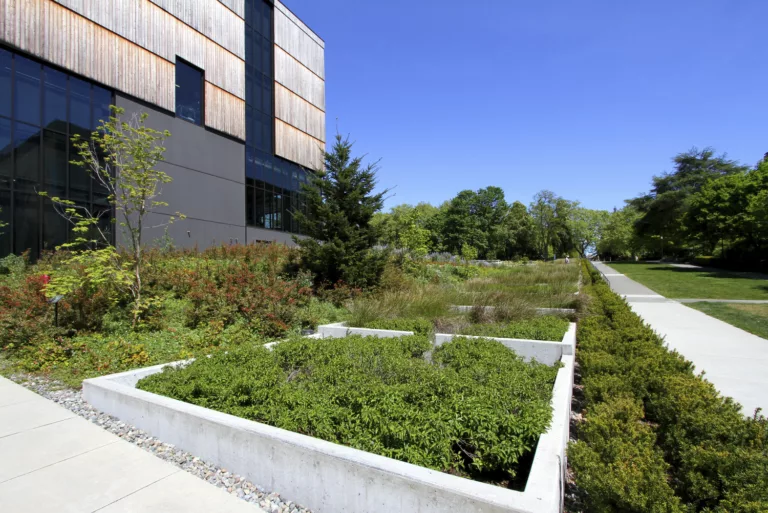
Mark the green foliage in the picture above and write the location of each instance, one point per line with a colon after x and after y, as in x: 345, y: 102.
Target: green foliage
x: 419, y: 326
x: 539, y: 328
x: 715, y: 459
x: 406, y: 227
x: 121, y: 157
x: 13, y: 264
x: 476, y: 411
x: 340, y: 206
x: 468, y: 252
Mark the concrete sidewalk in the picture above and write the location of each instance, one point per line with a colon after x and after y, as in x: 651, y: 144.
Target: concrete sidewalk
x: 51, y: 460
x: 735, y: 361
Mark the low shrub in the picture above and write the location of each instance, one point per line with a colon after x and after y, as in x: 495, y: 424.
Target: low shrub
x: 418, y: 325
x: 476, y: 410
x: 714, y: 459
x: 539, y: 328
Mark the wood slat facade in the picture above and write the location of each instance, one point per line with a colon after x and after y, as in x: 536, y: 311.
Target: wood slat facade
x: 293, y: 144
x: 299, y: 113
x: 132, y: 46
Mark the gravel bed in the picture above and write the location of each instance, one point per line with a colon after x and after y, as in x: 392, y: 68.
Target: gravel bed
x: 234, y: 484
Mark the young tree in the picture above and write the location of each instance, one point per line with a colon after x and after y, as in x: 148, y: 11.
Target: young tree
x: 121, y: 156
x: 340, y: 206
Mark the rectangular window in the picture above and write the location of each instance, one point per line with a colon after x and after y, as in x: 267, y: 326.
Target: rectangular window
x: 55, y: 100
x: 79, y: 178
x: 79, y: 106
x: 6, y: 164
x: 189, y: 92
x: 27, y: 90
x: 27, y: 155
x: 5, y: 83
x: 55, y: 159
x: 26, y: 222
x: 102, y: 99
x: 250, y: 207
x: 5, y: 218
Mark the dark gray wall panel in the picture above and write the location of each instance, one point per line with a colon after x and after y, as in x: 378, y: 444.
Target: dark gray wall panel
x: 203, y: 196
x: 190, y: 233
x: 208, y: 182
x: 192, y: 146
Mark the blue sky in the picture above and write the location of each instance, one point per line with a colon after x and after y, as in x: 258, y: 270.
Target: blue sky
x: 585, y: 98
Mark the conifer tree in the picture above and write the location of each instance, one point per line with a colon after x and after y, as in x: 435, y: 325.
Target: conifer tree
x: 340, y: 203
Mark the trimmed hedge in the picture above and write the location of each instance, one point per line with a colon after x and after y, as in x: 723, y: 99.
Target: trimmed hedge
x: 656, y: 437
x: 477, y: 409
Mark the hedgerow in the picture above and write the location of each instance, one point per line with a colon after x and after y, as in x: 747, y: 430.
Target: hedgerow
x: 476, y: 409
x: 655, y: 436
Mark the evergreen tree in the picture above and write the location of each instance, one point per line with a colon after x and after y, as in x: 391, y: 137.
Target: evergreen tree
x: 340, y: 204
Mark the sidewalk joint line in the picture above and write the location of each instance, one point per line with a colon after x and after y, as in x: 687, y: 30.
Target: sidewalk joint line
x: 138, y: 490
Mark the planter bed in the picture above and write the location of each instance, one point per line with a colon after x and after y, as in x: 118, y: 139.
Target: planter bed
x: 328, y: 477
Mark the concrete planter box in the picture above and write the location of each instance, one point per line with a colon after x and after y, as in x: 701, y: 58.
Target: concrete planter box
x: 546, y: 352
x: 327, y: 477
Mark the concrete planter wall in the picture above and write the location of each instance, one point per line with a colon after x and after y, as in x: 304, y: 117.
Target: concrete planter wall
x: 330, y: 478
x: 546, y: 352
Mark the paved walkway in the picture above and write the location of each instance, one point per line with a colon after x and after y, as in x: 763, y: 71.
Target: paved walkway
x: 51, y: 460
x: 735, y: 361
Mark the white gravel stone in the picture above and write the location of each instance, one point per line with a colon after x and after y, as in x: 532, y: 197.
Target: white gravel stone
x: 234, y: 484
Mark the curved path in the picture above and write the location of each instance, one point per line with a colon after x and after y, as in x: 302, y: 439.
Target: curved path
x: 735, y: 361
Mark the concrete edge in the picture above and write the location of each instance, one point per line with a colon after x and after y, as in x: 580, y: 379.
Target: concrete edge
x: 229, y: 441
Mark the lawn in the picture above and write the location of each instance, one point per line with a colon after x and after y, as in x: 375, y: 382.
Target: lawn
x: 751, y: 318
x: 704, y: 283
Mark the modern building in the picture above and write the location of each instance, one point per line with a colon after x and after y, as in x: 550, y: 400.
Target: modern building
x: 240, y: 84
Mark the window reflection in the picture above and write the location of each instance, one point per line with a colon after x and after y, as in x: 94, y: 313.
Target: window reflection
x: 189, y: 92
x: 49, y: 106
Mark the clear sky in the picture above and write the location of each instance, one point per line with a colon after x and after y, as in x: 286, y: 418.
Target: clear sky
x: 586, y: 98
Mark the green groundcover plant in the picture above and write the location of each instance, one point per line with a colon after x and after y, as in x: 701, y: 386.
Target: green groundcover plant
x: 539, y: 328
x: 656, y: 437
x: 474, y: 409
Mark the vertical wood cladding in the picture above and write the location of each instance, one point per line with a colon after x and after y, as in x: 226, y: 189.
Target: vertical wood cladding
x: 296, y: 41
x: 299, y: 90
x: 224, y: 112
x: 292, y: 75
x: 299, y: 113
x: 131, y: 46
x: 211, y: 18
x: 237, y: 6
x: 154, y: 29
x: 58, y: 35
x: 294, y: 145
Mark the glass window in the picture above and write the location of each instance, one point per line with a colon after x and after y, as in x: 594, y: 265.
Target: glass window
x: 266, y: 19
x: 277, y: 210
x: 27, y: 90
x: 27, y: 154
x: 55, y: 158
x: 5, y: 82
x: 26, y: 223
x: 5, y: 218
x: 102, y: 99
x: 79, y: 106
x: 189, y: 92
x: 6, y: 164
x: 55, y: 100
x: 55, y: 227
x: 261, y: 213
x: 79, y: 178
x: 250, y: 207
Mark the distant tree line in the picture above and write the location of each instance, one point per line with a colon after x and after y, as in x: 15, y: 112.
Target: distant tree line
x: 708, y: 206
x: 482, y: 224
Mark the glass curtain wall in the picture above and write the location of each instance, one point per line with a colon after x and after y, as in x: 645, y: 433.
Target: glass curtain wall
x: 41, y: 108
x: 273, y: 185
